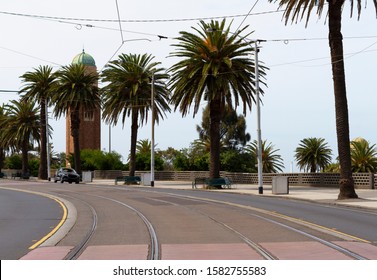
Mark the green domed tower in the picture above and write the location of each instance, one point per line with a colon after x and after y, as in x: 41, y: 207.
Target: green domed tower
x: 84, y: 58
x: 90, y: 121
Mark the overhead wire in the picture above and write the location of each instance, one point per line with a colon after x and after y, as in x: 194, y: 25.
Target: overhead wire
x: 139, y: 20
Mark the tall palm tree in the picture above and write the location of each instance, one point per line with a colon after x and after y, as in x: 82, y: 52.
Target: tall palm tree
x: 271, y: 161
x: 38, y: 85
x: 296, y: 10
x: 76, y: 90
x: 215, y: 66
x: 313, y: 154
x: 128, y: 94
x: 21, y: 128
x: 364, y: 157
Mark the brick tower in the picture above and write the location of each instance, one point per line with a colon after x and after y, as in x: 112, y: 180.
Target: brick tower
x: 90, y: 121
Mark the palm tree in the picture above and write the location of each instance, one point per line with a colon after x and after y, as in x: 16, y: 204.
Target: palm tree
x: 76, y: 90
x: 128, y: 94
x: 215, y: 66
x: 313, y: 154
x: 296, y: 9
x: 364, y: 157
x: 143, y: 146
x: 21, y: 128
x: 271, y: 161
x: 38, y: 87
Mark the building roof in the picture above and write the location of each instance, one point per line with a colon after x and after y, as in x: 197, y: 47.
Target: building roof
x: 84, y: 58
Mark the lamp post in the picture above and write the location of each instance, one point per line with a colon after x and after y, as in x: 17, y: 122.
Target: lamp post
x: 152, y: 132
x: 48, y: 147
x: 259, y: 131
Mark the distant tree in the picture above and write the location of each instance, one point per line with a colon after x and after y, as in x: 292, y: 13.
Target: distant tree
x: 234, y: 160
x: 232, y: 129
x: 271, y: 161
x: 21, y: 128
x: 99, y: 160
x: 168, y: 156
x: 364, y: 156
x: 313, y: 154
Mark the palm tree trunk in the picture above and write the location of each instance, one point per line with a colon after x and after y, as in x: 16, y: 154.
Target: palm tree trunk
x: 215, y: 119
x: 134, y: 129
x: 75, y: 132
x: 346, y: 184
x: 42, y: 173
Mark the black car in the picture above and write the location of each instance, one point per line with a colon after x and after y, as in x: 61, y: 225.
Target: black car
x: 65, y: 174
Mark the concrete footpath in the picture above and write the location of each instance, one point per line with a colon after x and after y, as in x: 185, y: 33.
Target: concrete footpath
x: 367, y: 197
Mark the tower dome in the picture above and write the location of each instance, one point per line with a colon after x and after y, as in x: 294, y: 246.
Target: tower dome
x: 84, y: 59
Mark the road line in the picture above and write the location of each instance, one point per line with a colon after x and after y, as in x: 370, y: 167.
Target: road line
x: 57, y: 227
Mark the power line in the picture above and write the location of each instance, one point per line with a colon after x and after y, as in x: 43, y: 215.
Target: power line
x: 136, y: 20
x: 247, y: 15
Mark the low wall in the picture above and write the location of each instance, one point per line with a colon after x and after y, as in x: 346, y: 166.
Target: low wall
x: 362, y: 180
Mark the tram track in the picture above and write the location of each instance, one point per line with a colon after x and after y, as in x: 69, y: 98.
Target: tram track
x: 263, y: 251
x: 142, y: 203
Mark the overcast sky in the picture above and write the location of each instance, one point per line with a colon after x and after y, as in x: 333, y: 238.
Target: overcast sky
x: 298, y: 101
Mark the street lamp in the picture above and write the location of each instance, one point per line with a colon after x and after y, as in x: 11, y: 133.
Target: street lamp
x: 259, y: 131
x: 152, y: 132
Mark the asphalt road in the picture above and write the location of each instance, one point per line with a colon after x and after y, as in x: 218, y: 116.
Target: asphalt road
x: 356, y: 222
x: 24, y: 219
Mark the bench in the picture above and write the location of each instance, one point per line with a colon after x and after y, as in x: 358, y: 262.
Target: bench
x: 212, y: 182
x: 128, y: 180
x: 25, y: 176
x: 3, y: 175
x: 199, y: 180
x: 15, y: 175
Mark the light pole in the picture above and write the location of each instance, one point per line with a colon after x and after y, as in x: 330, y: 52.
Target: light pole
x: 152, y: 133
x: 47, y: 146
x: 259, y: 131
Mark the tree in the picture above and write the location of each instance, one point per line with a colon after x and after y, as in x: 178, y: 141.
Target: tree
x: 232, y: 130
x: 364, y: 156
x: 215, y: 66
x: 313, y: 154
x: 271, y: 161
x: 128, y: 94
x: 21, y: 128
x: 38, y: 86
x: 76, y: 90
x: 296, y: 9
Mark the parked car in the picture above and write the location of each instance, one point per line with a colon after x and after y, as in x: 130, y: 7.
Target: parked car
x: 65, y: 174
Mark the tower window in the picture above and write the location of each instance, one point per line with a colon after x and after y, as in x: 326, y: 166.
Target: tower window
x: 88, y: 116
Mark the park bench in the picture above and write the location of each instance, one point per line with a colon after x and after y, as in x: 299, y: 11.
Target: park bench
x: 15, y: 175
x: 3, y: 175
x: 199, y: 180
x: 128, y: 179
x: 214, y: 182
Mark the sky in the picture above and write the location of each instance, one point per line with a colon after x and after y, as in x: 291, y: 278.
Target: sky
x: 298, y: 100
